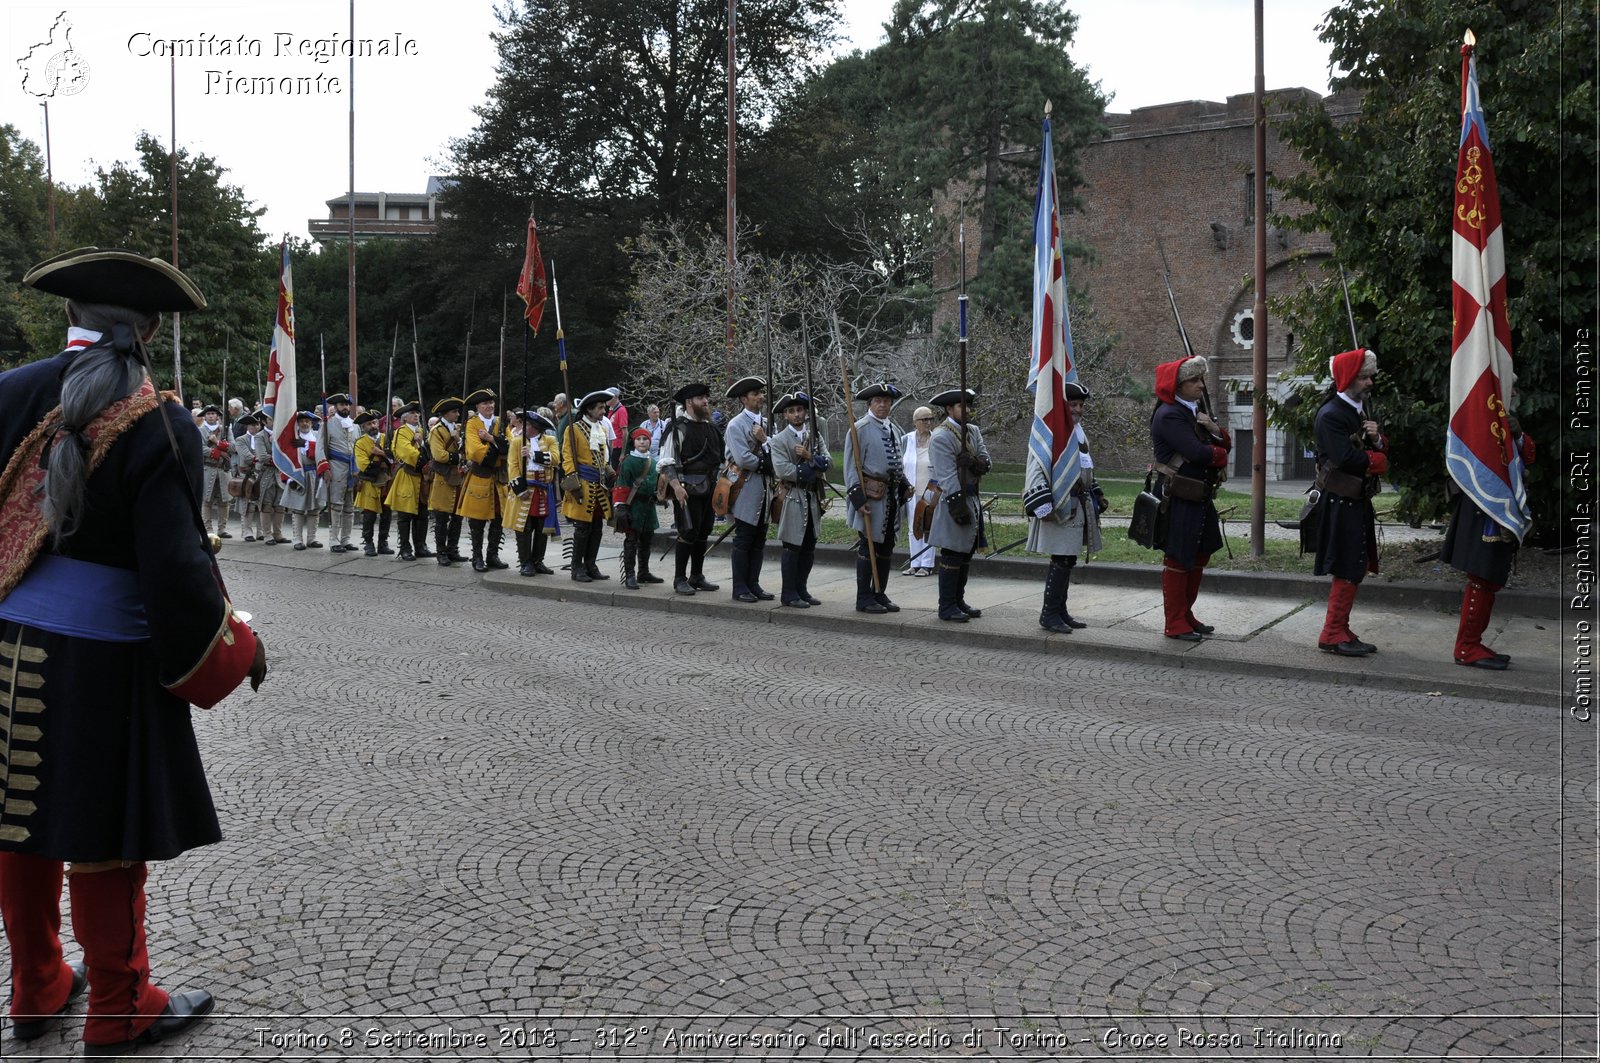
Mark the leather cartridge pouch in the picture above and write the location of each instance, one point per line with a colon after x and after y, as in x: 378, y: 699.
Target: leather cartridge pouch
x: 1342, y: 484
x: 873, y: 487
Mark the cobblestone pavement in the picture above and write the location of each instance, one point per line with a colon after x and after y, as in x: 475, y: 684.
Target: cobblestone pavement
x: 464, y: 824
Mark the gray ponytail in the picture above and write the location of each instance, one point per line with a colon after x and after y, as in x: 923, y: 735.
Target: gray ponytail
x: 102, y: 374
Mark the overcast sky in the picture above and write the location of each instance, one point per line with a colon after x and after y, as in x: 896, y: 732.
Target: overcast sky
x: 288, y: 152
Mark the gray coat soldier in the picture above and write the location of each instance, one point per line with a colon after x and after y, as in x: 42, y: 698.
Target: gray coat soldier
x: 956, y: 465
x: 745, y: 443
x: 1065, y: 531
x: 881, y: 496
x: 799, y: 463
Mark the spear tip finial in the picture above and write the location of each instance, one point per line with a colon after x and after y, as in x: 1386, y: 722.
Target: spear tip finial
x: 1047, y: 106
x: 1469, y: 38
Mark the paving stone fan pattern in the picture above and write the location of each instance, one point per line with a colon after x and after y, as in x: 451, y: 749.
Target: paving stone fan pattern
x: 467, y: 825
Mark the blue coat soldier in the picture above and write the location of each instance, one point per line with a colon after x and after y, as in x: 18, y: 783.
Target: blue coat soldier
x: 1191, y: 453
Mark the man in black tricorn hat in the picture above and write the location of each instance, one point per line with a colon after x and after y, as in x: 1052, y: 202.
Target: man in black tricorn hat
x: 745, y: 441
x: 876, y: 484
x: 691, y: 451
x: 114, y: 619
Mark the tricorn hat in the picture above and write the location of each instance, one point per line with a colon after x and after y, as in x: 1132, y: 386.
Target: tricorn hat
x: 592, y: 398
x: 881, y: 390
x: 307, y: 415
x: 336, y: 399
x: 536, y: 419
x: 690, y: 391
x: 951, y: 396
x: 366, y: 416
x: 444, y: 406
x: 1073, y: 391
x: 740, y: 388
x: 481, y: 395
x: 119, y: 277
x: 247, y: 420
x: 798, y: 398
x: 410, y: 407
x: 212, y: 409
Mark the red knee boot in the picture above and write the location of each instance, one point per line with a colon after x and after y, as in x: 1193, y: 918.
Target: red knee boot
x: 1477, y: 606
x: 1336, y: 635
x: 108, y: 919
x: 30, y: 903
x: 1192, y: 592
x: 1175, y: 602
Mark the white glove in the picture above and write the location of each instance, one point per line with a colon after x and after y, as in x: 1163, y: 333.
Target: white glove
x: 1044, y: 510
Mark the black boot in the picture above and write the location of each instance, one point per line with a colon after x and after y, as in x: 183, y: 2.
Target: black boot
x: 497, y: 533
x: 961, y: 590
x: 739, y: 555
x: 789, y: 568
x: 419, y: 538
x: 950, y: 592
x: 581, y: 531
x: 525, y: 552
x: 405, y: 537
x: 758, y: 553
x: 1055, y: 594
x: 591, y: 557
x: 866, y: 598
x: 383, y: 531
x: 455, y: 539
x: 441, y: 537
x: 369, y: 520
x: 541, y: 542
x: 697, y: 568
x: 645, y: 575
x: 475, y: 530
x: 1066, y: 585
x: 803, y: 566
x: 885, y: 566
x: 630, y: 554
x: 680, y: 565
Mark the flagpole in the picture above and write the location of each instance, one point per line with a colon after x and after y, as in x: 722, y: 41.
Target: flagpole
x: 177, y: 319
x: 733, y: 188
x: 561, y: 337
x: 1258, y: 351
x: 49, y: 178
x: 350, y: 252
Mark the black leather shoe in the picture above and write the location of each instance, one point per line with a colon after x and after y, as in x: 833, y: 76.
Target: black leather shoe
x: 954, y: 616
x: 1189, y: 636
x: 223, y: 535
x: 478, y: 565
x: 888, y: 606
x: 1205, y: 629
x: 763, y: 595
x: 422, y: 554
x: 810, y: 600
x: 458, y: 557
x: 369, y: 550
x: 1353, y: 648
x: 406, y: 555
x: 496, y: 563
x: 335, y: 549
x: 314, y: 545
x: 700, y: 583
x: 682, y: 586
x: 1054, y: 624
x: 385, y: 550
x: 299, y: 546
x: 872, y: 607
x: 525, y: 570
x: 596, y: 575
x: 542, y: 569
x: 1073, y: 622
x: 973, y: 613
x: 650, y: 577
x: 33, y: 1029
x: 580, y: 576
x: 444, y: 560
x: 745, y: 596
x: 182, y: 1011
x: 798, y: 603
x: 1494, y: 664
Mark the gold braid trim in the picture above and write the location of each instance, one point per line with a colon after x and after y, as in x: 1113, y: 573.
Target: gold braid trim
x: 22, y: 525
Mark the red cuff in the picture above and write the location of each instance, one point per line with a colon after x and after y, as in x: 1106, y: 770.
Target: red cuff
x: 1219, y: 457
x: 224, y: 666
x: 1227, y: 440
x: 322, y: 469
x: 1377, y: 463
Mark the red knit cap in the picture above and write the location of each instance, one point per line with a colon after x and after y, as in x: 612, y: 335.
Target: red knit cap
x: 1347, y: 366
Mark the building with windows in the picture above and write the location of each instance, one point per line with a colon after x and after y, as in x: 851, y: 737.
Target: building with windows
x: 382, y: 215
x: 1180, y: 177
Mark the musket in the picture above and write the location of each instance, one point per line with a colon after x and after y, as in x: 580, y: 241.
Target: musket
x: 766, y: 330
x: 501, y: 393
x: 855, y: 453
x: 227, y: 341
x: 466, y: 349
x: 1368, y: 400
x: 561, y: 337
x: 416, y: 365
x: 388, y: 399
x: 811, y: 407
x: 322, y: 354
x: 961, y: 342
x: 1183, y: 333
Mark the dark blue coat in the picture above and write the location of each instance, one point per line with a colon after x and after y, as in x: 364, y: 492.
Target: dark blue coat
x: 1347, y: 541
x: 1193, y: 530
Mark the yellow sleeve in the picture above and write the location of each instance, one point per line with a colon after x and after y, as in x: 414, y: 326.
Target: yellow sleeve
x: 439, y: 444
x: 405, y: 445
x: 475, y: 447
x: 366, y: 450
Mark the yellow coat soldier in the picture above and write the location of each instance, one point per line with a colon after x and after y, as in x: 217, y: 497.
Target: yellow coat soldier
x: 405, y: 489
x: 374, y: 469
x: 444, y: 457
x: 586, y: 500
x: 531, y: 503
x: 484, y: 443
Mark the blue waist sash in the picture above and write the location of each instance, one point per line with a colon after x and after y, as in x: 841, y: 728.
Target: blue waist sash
x: 80, y: 599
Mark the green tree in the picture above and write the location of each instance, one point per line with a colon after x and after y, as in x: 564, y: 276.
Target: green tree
x: 220, y: 247
x: 1381, y: 186
x: 24, y: 241
x: 971, y: 78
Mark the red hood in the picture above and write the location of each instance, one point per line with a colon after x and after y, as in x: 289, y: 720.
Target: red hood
x: 1167, y: 380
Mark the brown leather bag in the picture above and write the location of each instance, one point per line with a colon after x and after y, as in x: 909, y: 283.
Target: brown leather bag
x: 922, y: 516
x: 729, y: 483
